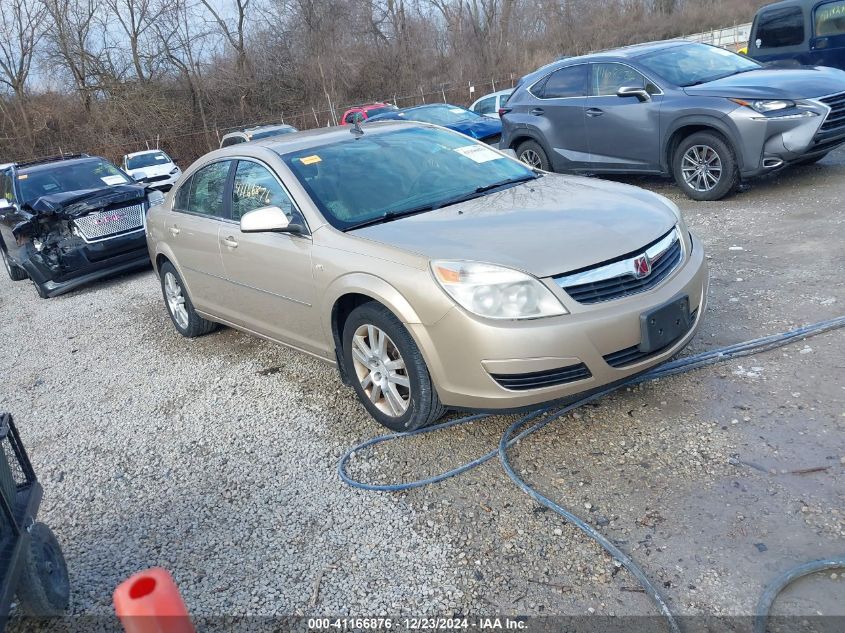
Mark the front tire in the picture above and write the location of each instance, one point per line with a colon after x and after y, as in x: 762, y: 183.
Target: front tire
x: 16, y: 273
x: 532, y: 154
x: 387, y: 370
x: 705, y: 167
x: 44, y: 586
x: 185, y: 319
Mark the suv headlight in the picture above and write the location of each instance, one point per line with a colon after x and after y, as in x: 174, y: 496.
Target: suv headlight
x: 766, y: 105
x: 495, y: 292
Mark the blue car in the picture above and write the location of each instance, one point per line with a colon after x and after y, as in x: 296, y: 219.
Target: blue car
x: 461, y: 120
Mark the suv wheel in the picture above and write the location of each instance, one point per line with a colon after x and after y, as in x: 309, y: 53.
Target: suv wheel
x: 387, y: 370
x: 704, y: 167
x: 188, y: 323
x: 533, y: 155
x: 16, y: 273
x: 44, y: 588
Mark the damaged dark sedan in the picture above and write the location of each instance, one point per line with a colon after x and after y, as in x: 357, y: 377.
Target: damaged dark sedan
x: 69, y: 220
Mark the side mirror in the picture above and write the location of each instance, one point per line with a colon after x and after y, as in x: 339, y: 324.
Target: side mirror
x: 139, y: 176
x: 634, y: 91
x: 268, y: 220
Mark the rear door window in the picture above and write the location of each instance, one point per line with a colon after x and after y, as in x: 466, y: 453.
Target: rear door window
x: 486, y: 106
x: 777, y: 28
x: 206, y: 190
x: 566, y: 82
x: 829, y: 19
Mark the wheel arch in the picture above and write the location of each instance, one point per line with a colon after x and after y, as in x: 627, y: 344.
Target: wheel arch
x: 691, y: 125
x: 351, y: 291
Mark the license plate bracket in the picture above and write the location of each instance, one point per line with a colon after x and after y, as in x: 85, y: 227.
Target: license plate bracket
x: 664, y: 324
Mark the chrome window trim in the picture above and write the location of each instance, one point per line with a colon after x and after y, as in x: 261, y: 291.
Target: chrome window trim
x: 625, y: 267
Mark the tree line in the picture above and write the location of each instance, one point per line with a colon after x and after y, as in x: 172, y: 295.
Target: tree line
x: 113, y: 76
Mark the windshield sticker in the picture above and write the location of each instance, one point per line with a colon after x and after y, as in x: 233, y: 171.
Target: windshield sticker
x: 456, y: 110
x: 478, y: 153
x: 23, y: 176
x: 160, y: 157
x: 310, y: 160
x: 113, y: 180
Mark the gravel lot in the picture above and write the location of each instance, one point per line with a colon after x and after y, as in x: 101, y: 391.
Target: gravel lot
x: 216, y: 457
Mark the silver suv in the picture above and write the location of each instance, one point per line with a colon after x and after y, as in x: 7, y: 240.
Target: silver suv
x: 704, y: 115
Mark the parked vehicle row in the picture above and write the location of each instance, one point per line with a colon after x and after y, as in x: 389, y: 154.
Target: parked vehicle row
x: 467, y: 122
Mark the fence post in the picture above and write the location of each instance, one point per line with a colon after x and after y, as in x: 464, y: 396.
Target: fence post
x: 493, y: 83
x: 422, y: 94
x: 316, y: 120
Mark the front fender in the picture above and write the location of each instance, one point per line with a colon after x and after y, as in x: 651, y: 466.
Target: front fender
x: 720, y: 122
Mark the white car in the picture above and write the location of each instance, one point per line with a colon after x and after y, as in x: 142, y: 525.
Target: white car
x: 489, y: 105
x: 152, y: 167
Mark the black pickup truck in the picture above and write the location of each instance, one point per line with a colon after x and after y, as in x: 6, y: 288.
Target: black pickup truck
x: 69, y: 220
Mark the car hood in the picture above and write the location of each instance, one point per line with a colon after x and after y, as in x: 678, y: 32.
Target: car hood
x: 545, y: 227
x: 806, y: 82
x: 152, y: 170
x: 478, y: 128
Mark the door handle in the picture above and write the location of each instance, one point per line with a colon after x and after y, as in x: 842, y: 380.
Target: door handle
x: 594, y: 112
x: 231, y: 242
x: 537, y: 111
x: 174, y: 231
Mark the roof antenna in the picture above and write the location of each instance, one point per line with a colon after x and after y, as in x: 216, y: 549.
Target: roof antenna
x: 356, y: 130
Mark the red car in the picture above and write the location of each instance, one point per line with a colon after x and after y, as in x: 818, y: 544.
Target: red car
x: 367, y: 110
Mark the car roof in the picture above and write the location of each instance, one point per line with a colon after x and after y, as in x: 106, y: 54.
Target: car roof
x: 31, y: 169
x: 317, y: 137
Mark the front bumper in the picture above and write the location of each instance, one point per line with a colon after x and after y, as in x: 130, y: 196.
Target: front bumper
x: 462, y: 351
x: 88, y: 263
x: 769, y: 143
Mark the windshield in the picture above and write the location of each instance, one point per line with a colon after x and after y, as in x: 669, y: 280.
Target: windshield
x: 692, y: 64
x: 441, y: 115
x: 396, y: 172
x: 73, y: 176
x: 147, y: 160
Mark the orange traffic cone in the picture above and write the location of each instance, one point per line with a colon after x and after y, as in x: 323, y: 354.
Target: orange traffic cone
x: 149, y: 602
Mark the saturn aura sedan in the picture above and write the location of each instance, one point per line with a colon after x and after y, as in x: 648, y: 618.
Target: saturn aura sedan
x: 435, y: 271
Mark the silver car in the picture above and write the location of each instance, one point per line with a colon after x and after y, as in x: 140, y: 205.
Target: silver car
x: 704, y: 115
x: 432, y: 269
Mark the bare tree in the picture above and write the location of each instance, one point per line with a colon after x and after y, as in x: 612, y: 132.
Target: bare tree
x: 20, y: 32
x: 136, y: 18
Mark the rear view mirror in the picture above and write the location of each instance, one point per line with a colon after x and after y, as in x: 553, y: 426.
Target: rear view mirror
x: 268, y: 220
x: 634, y: 91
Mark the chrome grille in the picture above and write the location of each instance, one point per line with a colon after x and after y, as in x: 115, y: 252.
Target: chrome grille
x: 102, y: 225
x: 621, y: 278
x: 836, y: 118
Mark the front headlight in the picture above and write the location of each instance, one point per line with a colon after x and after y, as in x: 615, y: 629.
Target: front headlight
x: 175, y: 170
x: 767, y: 105
x: 495, y: 292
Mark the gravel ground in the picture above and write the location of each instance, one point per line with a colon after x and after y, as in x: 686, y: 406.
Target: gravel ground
x: 216, y: 457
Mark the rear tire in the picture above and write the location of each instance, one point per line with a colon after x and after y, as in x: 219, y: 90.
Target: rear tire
x: 387, y: 370
x: 705, y: 167
x: 44, y: 587
x: 532, y: 154
x: 179, y: 306
x: 16, y: 273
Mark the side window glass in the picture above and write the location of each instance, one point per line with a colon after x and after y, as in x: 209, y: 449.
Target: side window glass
x: 780, y: 27
x: 207, y: 185
x: 180, y: 201
x: 830, y: 19
x: 566, y: 82
x: 609, y: 78
x: 256, y: 187
x: 486, y: 106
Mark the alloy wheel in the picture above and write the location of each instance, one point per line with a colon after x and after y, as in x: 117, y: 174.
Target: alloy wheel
x: 381, y: 370
x: 701, y: 167
x: 531, y: 158
x: 175, y: 300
